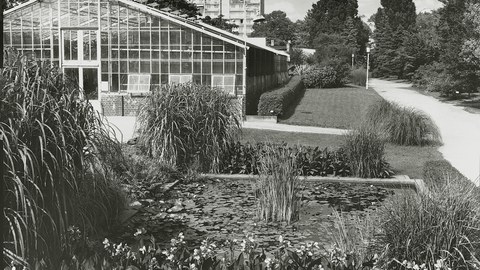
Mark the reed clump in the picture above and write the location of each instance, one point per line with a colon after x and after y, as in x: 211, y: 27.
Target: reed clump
x: 277, y: 185
x: 56, y: 168
x: 403, y: 125
x: 187, y: 124
x: 441, y: 224
x: 365, y: 151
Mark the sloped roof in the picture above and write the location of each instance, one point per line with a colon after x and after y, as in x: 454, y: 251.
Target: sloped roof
x: 197, y: 26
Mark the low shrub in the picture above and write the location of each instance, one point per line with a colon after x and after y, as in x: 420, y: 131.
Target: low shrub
x: 358, y: 76
x: 332, y: 74
x: 277, y: 102
x: 402, y: 125
x: 442, y: 225
x: 187, y: 124
x: 311, y: 161
x: 277, y: 185
x: 435, y: 78
x: 365, y: 150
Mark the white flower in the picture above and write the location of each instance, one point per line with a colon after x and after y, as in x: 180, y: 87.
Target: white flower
x: 280, y: 239
x: 143, y: 250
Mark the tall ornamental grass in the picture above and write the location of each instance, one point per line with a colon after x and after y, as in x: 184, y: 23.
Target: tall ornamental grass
x: 365, y: 150
x: 277, y: 185
x: 403, y: 125
x: 443, y: 224
x: 186, y: 124
x: 56, y: 172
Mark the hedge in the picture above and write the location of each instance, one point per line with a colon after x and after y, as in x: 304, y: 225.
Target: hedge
x: 277, y: 102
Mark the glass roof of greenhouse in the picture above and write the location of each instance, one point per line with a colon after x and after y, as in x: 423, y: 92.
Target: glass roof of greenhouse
x: 87, y: 14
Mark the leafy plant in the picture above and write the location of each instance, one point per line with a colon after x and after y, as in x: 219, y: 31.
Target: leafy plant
x: 365, y: 149
x: 311, y: 161
x: 187, y: 123
x: 277, y: 185
x: 210, y: 255
x: 59, y: 162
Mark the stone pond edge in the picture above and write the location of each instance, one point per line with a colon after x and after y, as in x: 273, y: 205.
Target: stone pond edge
x: 398, y: 181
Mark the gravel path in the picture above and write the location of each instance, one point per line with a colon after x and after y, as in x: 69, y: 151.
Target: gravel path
x: 460, y: 129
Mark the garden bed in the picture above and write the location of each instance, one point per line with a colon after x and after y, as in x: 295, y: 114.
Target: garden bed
x: 225, y: 209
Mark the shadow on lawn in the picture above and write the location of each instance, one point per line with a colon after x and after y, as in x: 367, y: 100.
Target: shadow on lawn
x: 291, y: 109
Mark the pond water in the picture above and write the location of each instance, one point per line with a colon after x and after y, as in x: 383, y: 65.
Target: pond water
x: 226, y: 209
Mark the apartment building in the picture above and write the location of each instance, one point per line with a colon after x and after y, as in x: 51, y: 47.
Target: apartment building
x: 233, y: 10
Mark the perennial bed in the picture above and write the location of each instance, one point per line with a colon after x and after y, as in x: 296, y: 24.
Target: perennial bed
x: 226, y: 209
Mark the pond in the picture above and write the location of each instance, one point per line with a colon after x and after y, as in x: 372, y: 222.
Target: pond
x: 226, y: 209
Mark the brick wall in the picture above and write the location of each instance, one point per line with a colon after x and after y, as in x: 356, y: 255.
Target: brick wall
x: 126, y: 105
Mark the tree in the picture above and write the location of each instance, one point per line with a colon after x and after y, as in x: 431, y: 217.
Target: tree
x: 183, y: 6
x: 277, y: 26
x: 221, y: 23
x: 329, y: 17
x: 454, y: 32
x: 394, y: 23
x: 471, y: 46
x: 335, y: 30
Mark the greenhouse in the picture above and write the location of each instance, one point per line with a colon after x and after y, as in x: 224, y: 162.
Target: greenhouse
x: 118, y: 51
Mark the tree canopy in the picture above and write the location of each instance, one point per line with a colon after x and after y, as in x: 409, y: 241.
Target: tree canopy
x: 277, y: 26
x: 334, y: 29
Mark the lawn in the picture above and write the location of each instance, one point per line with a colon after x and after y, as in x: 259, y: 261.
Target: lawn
x: 334, y: 108
x: 405, y: 160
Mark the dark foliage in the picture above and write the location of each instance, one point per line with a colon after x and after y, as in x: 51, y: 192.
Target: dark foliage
x: 311, y: 161
x: 276, y: 102
x: 221, y: 23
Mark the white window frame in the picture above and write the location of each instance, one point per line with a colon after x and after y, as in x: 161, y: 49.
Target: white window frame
x: 138, y: 83
x: 229, y: 88
x: 180, y: 78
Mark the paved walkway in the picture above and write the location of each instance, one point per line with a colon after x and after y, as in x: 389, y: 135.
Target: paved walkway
x: 460, y: 129
x: 124, y: 127
x: 292, y: 128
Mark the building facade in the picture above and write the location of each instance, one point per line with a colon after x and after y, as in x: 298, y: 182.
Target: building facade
x: 233, y: 10
x: 119, y: 50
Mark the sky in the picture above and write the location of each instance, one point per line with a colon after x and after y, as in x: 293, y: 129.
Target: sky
x: 297, y: 9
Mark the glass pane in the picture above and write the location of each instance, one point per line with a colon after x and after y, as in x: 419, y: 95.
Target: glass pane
x: 71, y: 75
x: 93, y: 45
x: 217, y: 81
x: 90, y: 83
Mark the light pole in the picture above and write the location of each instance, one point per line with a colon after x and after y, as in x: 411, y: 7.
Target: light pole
x: 368, y: 65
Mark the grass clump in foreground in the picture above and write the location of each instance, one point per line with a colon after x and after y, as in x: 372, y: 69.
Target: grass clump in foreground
x: 402, y: 125
x: 57, y: 169
x: 365, y: 151
x: 277, y: 185
x: 442, y: 226
x: 188, y: 124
